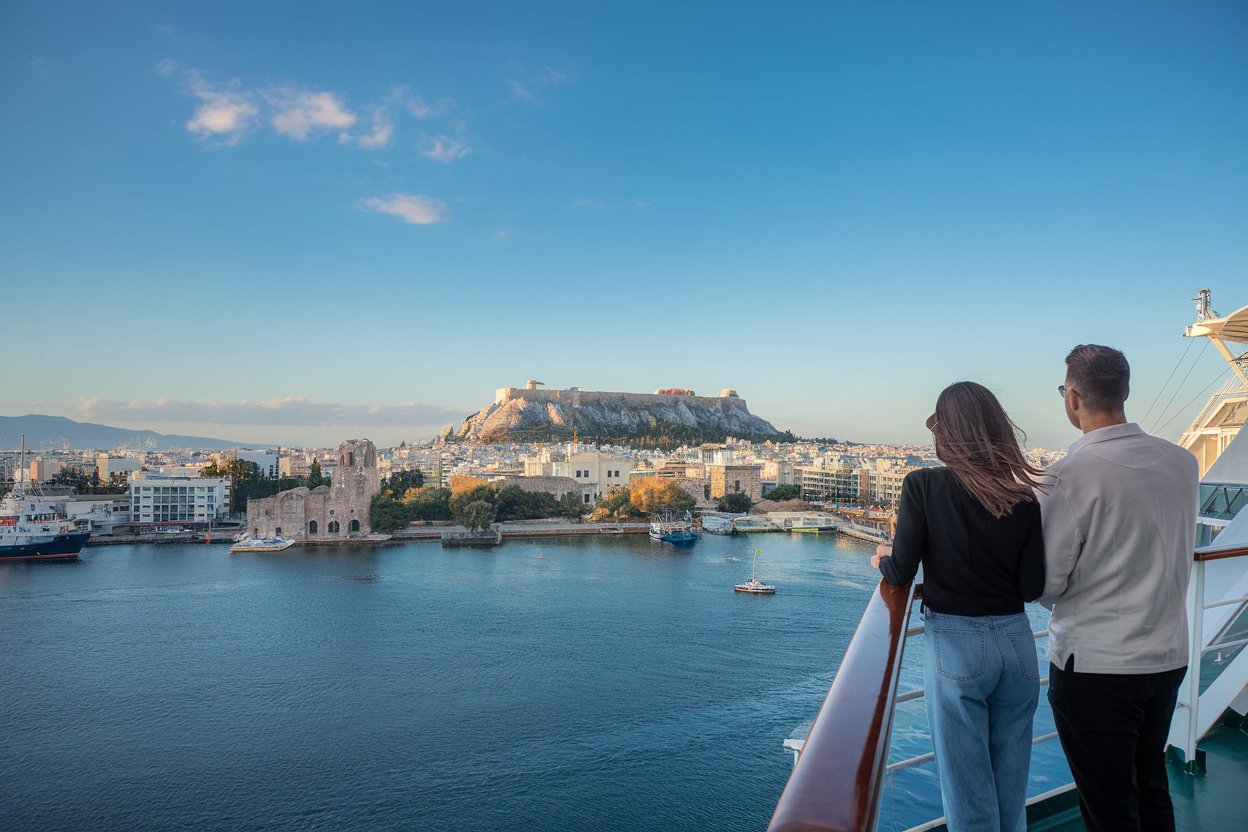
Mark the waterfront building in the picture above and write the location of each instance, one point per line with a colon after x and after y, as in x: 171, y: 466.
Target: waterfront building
x: 735, y: 479
x: 778, y: 472
x: 842, y: 484
x: 338, y: 511
x: 103, y: 511
x: 160, y: 498
x: 886, y: 486
x: 595, y: 472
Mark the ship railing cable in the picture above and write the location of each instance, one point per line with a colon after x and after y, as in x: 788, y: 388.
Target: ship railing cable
x: 1163, y: 387
x: 1179, y: 389
x: 1192, y: 400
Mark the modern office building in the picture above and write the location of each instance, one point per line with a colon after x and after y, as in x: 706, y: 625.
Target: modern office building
x: 158, y: 498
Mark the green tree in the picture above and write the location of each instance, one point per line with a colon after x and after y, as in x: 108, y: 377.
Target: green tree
x: 478, y: 493
x: 386, y: 515
x: 246, y: 481
x: 400, y: 481
x: 572, y: 506
x: 478, y: 515
x: 785, y: 492
x: 315, y: 477
x: 428, y: 503
x: 736, y: 503
x: 77, y: 479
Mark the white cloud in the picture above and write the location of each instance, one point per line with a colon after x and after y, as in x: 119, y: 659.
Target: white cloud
x: 300, y: 114
x: 585, y: 202
x: 223, y: 113
x: 381, y: 136
x: 282, y: 411
x: 519, y: 90
x: 166, y: 68
x: 445, y: 149
x: 554, y: 76
x: 411, y: 208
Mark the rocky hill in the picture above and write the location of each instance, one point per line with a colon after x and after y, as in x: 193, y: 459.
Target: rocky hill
x: 671, y: 416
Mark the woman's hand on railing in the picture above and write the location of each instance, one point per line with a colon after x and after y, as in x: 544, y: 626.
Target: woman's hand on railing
x: 884, y: 550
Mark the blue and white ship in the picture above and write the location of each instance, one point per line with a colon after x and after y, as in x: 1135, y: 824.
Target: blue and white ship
x: 35, y: 528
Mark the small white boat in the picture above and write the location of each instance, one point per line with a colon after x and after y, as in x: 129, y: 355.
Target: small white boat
x: 262, y: 544
x: 717, y: 524
x: 754, y: 586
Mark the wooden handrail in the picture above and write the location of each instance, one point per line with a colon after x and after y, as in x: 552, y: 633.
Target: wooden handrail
x: 1222, y: 553
x: 836, y: 784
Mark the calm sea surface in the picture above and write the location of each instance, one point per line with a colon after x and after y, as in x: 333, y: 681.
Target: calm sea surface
x: 601, y: 683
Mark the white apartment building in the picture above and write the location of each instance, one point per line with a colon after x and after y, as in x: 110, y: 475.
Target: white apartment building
x: 269, y: 462
x: 776, y: 472
x: 842, y: 483
x: 106, y: 466
x: 596, y: 472
x: 157, y: 498
x: 886, y: 486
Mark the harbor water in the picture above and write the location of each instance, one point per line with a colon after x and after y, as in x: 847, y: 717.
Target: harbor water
x: 571, y: 684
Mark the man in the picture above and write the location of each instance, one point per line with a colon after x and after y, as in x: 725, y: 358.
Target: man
x: 1119, y: 518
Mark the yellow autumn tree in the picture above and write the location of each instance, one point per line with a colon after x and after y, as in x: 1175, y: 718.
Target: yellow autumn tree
x: 654, y: 494
x: 460, y: 484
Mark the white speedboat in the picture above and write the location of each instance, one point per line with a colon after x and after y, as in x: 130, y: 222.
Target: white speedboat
x: 262, y: 544
x: 754, y: 586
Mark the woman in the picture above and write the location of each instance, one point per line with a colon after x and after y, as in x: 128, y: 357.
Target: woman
x: 974, y: 525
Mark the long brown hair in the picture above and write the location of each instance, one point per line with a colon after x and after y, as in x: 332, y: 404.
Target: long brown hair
x: 979, y: 443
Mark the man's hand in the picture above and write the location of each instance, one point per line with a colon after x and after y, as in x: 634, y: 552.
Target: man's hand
x: 884, y: 550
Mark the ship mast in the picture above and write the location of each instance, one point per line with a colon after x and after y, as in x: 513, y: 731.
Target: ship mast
x: 1224, y: 414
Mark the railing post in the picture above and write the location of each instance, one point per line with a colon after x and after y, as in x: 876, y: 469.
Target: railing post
x: 1193, y: 669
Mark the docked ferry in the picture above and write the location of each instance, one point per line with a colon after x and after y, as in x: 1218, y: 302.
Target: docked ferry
x: 32, y: 528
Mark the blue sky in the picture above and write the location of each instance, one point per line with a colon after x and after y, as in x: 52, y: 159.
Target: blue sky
x: 295, y: 222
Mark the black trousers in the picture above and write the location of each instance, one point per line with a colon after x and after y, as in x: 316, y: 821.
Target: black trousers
x: 1113, y: 729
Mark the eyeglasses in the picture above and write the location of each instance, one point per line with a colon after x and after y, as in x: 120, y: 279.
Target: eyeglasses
x: 1062, y: 388
x: 932, y: 423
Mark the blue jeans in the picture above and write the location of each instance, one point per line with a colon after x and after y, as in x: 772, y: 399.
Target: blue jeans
x: 983, y: 682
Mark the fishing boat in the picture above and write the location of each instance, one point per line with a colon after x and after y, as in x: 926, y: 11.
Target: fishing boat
x: 754, y: 586
x: 32, y: 527
x: 247, y: 543
x: 671, y: 528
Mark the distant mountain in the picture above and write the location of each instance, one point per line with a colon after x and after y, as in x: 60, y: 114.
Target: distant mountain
x: 55, y: 432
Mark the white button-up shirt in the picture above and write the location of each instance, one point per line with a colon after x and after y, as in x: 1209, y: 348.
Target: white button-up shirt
x: 1119, y: 518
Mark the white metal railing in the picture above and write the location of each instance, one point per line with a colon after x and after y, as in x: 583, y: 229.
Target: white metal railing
x: 1218, y: 695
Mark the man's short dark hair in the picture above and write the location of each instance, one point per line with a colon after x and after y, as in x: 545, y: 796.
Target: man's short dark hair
x: 1101, y: 376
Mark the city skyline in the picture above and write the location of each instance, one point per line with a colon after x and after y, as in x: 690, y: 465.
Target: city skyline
x: 298, y: 224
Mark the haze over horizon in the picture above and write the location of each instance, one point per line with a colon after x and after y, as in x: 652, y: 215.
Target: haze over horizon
x: 295, y: 224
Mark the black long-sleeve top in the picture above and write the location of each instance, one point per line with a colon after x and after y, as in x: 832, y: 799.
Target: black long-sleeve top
x: 973, y: 563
